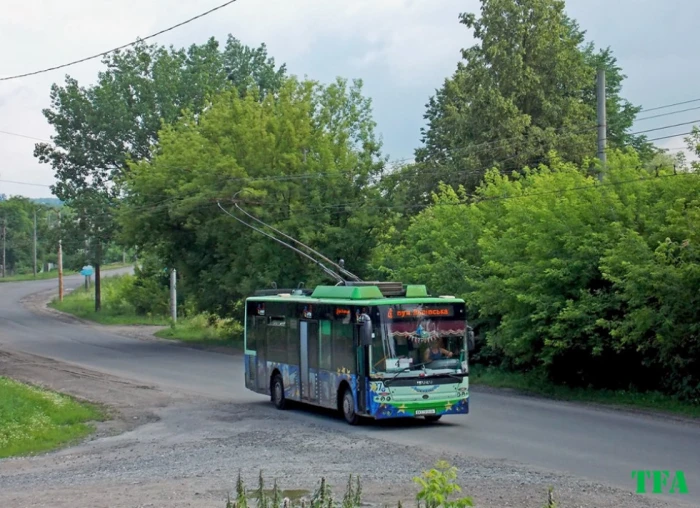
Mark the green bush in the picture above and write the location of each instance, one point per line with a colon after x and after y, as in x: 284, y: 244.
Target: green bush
x: 148, y: 291
x: 593, y: 283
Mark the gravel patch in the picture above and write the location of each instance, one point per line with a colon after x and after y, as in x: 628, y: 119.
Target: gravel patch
x: 168, y: 449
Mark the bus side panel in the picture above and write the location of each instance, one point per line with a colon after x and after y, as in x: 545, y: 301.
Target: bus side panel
x: 251, y: 371
x: 337, y: 380
x: 290, y: 379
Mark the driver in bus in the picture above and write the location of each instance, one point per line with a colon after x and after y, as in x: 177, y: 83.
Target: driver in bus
x: 436, y: 352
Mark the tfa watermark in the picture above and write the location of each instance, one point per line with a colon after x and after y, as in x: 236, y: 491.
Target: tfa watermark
x: 662, y: 481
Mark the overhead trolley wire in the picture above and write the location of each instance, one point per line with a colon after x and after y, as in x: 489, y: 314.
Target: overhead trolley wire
x: 120, y: 47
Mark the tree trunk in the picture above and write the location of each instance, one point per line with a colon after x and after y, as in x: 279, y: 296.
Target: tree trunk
x: 98, y: 294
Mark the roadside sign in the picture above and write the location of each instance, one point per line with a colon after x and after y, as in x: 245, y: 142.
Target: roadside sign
x: 87, y: 271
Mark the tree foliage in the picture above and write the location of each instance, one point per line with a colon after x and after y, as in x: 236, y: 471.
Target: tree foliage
x: 100, y: 128
x: 526, y: 88
x: 302, y: 160
x: 594, y: 282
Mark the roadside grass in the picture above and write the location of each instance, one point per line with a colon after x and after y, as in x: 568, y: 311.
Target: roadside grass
x: 53, y: 274
x: 537, y: 385
x: 200, y: 329
x: 35, y: 420
x: 115, y: 309
x: 204, y: 330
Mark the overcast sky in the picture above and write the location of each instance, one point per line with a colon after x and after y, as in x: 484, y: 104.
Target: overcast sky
x: 402, y: 49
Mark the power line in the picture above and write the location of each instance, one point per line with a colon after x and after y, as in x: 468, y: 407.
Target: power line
x: 664, y: 127
x: 671, y: 105
x: 202, y: 202
x: 671, y: 136
x: 8, y: 133
x: 25, y: 183
x: 666, y: 114
x: 120, y: 47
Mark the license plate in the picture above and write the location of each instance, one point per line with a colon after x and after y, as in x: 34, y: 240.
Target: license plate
x: 425, y: 411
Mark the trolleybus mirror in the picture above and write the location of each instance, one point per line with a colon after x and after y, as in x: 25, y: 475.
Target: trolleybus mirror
x: 366, y: 331
x: 470, y: 338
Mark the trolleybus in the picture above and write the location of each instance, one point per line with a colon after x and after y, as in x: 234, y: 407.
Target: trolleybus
x: 368, y: 349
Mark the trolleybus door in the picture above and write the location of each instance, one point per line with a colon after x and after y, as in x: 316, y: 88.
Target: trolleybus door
x: 362, y: 372
x: 308, y: 352
x: 304, y: 363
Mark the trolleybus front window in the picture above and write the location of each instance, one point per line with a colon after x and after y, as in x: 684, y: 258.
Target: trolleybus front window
x: 418, y: 339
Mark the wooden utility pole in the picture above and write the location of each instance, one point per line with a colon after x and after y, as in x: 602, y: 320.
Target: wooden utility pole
x: 98, y: 288
x: 173, y: 295
x: 60, y: 260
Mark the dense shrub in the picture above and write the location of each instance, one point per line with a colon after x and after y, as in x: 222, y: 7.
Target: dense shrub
x: 148, y: 290
x: 594, y: 283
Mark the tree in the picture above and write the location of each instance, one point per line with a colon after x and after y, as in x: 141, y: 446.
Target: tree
x: 565, y: 275
x: 302, y: 160
x: 102, y: 127
x: 526, y: 88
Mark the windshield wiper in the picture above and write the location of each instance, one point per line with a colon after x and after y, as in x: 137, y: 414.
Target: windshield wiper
x: 386, y: 383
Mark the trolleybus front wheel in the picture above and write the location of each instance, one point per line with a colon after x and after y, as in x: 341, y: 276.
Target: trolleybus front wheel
x: 278, y: 392
x: 349, y: 408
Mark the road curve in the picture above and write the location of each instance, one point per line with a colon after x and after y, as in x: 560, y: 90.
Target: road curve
x: 599, y: 445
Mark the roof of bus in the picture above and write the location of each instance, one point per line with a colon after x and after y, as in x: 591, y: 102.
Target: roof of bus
x: 341, y: 301
x: 358, y: 295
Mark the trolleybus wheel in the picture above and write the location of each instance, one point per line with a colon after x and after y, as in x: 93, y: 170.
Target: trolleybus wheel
x: 432, y: 418
x: 278, y: 392
x: 349, y: 408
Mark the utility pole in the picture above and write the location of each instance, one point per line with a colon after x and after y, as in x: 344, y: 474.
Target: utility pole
x: 34, y: 243
x: 602, y: 121
x: 4, y: 234
x: 60, y: 260
x: 98, y: 276
x: 173, y: 295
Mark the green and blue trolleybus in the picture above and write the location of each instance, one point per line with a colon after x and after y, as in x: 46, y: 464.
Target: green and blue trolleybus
x: 368, y: 349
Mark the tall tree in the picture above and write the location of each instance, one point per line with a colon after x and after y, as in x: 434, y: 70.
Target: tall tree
x: 302, y: 159
x: 526, y: 88
x: 100, y: 128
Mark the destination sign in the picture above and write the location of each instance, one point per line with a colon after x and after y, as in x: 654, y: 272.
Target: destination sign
x: 418, y: 312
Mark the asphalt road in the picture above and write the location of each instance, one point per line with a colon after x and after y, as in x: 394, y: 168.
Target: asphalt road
x: 600, y: 445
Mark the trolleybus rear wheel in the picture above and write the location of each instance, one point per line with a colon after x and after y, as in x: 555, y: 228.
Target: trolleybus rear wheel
x: 278, y: 392
x: 349, y: 408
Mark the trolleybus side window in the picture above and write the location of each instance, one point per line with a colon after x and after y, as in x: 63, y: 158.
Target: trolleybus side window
x: 325, y: 352
x: 343, y: 347
x: 277, y: 339
x: 255, y: 333
x: 293, y: 341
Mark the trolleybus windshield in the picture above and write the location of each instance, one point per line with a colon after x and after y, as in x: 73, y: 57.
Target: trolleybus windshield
x: 419, y: 337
